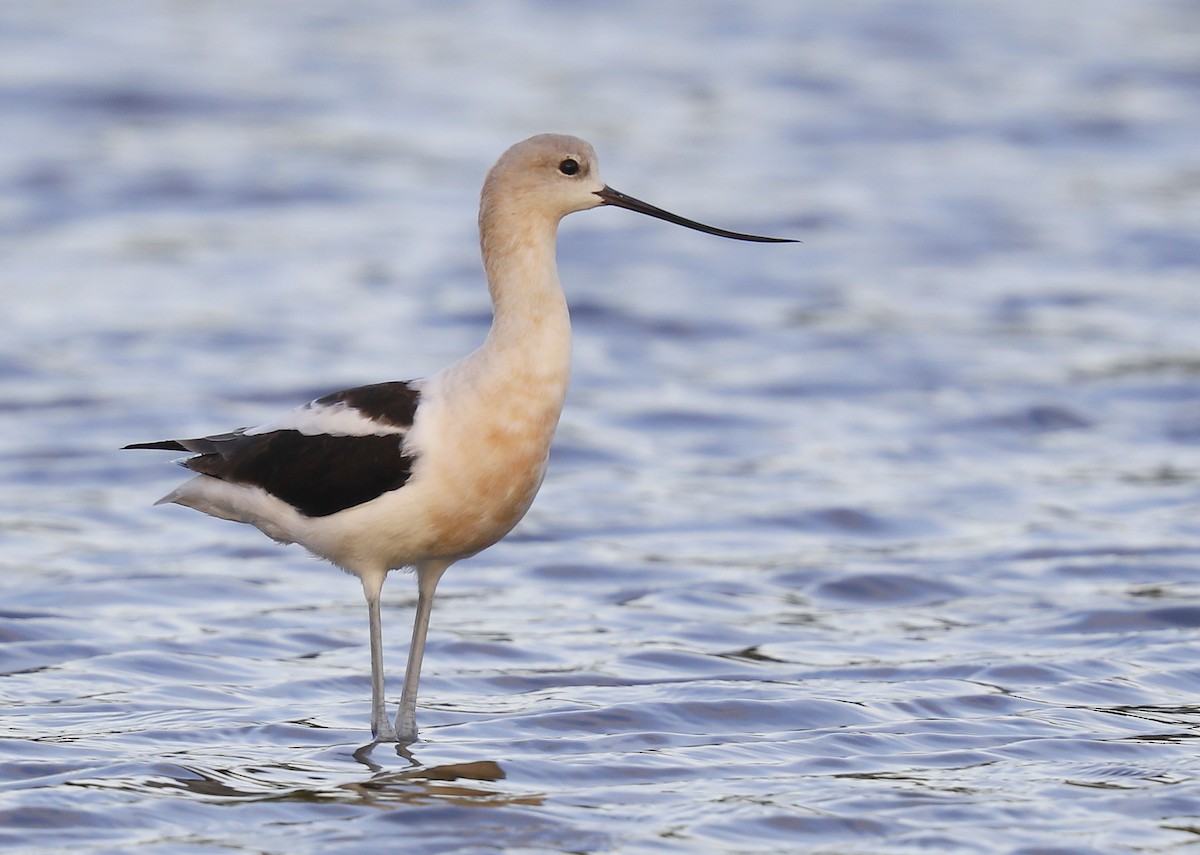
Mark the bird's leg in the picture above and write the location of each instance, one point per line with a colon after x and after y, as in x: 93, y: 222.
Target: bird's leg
x: 428, y: 575
x: 381, y: 725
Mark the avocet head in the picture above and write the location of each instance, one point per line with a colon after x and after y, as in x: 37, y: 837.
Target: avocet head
x: 556, y: 175
x: 549, y: 174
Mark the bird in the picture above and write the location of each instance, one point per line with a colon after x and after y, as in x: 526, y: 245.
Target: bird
x: 424, y: 473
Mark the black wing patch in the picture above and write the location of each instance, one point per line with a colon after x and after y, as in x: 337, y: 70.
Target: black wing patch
x: 393, y: 404
x: 317, y: 474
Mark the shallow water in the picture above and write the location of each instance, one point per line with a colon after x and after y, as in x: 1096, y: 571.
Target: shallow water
x: 883, y: 543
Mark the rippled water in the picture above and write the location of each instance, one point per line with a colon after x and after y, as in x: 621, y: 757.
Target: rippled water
x: 883, y: 543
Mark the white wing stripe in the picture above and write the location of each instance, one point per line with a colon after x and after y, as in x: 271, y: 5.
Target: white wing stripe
x: 337, y: 419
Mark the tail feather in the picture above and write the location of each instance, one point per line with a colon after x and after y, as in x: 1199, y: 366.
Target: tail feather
x: 161, y: 445
x: 221, y: 443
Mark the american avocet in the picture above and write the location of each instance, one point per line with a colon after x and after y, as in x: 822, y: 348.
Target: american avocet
x: 427, y: 472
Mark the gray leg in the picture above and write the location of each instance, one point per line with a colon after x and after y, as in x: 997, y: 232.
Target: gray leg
x: 381, y: 725
x: 428, y: 576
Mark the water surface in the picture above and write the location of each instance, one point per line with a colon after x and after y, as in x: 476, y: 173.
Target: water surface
x: 887, y: 542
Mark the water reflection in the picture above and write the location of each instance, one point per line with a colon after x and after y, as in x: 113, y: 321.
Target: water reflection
x: 455, y: 783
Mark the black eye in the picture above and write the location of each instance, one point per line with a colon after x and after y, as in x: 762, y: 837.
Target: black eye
x: 569, y: 166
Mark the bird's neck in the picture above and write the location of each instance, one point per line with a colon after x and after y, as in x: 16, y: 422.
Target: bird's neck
x: 530, y: 336
x: 527, y: 299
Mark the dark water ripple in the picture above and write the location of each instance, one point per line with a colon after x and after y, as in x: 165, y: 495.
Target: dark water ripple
x: 885, y: 544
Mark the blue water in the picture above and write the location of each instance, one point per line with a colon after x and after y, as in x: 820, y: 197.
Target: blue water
x: 886, y: 542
